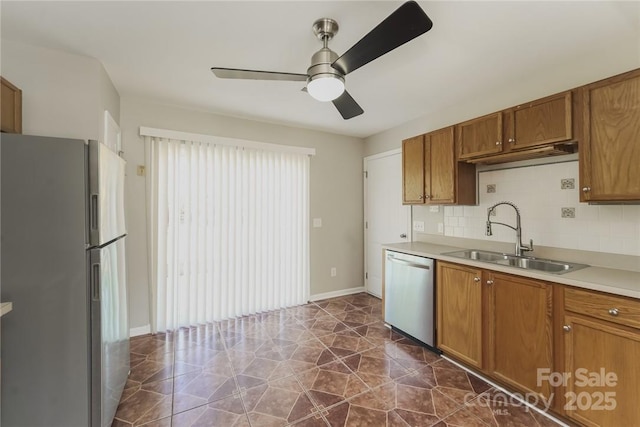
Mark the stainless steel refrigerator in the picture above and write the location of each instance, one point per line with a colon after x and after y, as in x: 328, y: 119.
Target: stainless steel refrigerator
x: 64, y: 347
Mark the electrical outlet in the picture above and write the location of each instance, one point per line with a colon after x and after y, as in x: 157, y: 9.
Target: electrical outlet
x: 434, y: 208
x: 491, y: 188
x: 493, y: 212
x: 334, y: 272
x: 567, y: 184
x: 418, y: 225
x: 440, y: 227
x: 317, y: 222
x: 140, y: 170
x: 568, y: 212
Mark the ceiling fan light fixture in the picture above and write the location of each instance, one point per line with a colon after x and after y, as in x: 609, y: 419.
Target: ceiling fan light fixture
x: 325, y: 87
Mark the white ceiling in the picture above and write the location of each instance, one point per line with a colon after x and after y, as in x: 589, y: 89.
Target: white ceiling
x: 164, y: 51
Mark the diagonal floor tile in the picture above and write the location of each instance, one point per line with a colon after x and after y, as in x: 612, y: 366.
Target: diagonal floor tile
x: 346, y: 343
x: 331, y: 384
x: 278, y: 402
x: 375, y: 367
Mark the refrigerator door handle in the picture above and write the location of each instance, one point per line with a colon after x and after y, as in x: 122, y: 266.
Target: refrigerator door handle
x: 95, y: 282
x: 94, y: 214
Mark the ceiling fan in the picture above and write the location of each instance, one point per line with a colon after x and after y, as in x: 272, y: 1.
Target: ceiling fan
x: 325, y: 76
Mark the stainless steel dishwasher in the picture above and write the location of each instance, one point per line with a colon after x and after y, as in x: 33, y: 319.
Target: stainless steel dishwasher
x: 409, y: 295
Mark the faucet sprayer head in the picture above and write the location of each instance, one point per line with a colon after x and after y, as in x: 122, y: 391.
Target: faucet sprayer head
x: 488, y: 232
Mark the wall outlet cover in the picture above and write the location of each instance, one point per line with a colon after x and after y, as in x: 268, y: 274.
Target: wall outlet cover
x: 491, y: 188
x: 440, y: 227
x: 434, y: 208
x: 568, y: 212
x: 334, y: 272
x: 317, y: 222
x: 418, y: 225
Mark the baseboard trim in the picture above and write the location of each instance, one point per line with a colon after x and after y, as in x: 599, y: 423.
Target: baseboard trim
x: 140, y: 330
x: 334, y: 294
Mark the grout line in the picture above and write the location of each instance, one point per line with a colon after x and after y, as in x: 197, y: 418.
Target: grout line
x: 502, y: 389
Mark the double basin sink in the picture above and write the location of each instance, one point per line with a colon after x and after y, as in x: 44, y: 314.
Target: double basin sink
x: 527, y: 263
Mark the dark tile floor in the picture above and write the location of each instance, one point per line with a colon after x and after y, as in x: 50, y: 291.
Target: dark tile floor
x: 331, y: 363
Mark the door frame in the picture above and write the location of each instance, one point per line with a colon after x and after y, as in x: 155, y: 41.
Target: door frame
x: 365, y: 170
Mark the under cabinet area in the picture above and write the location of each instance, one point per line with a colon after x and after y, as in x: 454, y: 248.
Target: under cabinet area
x: 610, y: 148
x: 431, y: 174
x: 601, y: 357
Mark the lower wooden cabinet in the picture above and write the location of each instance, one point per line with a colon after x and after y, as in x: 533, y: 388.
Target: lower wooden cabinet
x: 520, y: 331
x: 578, y: 348
x: 459, y: 312
x: 602, y: 359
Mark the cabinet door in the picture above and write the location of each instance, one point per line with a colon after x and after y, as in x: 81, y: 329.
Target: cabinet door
x: 10, y: 107
x: 459, y: 312
x: 520, y: 336
x: 610, y: 150
x: 541, y: 122
x: 480, y: 137
x: 592, y: 346
x: 441, y: 176
x: 413, y: 170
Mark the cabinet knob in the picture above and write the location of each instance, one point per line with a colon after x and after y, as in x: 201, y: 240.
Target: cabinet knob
x: 512, y: 140
x: 403, y: 236
x: 420, y: 197
x: 427, y: 197
x: 613, y: 311
x: 566, y: 328
x: 476, y: 279
x: 498, y: 142
x: 489, y: 282
x: 586, y: 189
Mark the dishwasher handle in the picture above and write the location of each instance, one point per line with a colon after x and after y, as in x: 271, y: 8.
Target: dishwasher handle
x: 409, y: 263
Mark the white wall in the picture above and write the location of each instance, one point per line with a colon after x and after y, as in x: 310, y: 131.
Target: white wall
x: 336, y: 189
x: 63, y: 94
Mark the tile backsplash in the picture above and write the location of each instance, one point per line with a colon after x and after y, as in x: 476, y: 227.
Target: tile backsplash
x: 551, y: 212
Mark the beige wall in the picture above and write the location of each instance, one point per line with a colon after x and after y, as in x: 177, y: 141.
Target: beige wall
x: 336, y: 188
x: 63, y: 94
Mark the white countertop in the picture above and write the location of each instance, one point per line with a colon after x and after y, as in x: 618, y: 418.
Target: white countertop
x: 613, y: 281
x: 5, y: 307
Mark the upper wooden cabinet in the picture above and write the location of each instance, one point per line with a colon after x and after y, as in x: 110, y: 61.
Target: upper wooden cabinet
x: 541, y: 122
x: 413, y: 170
x: 610, y: 148
x: 11, y: 107
x: 503, y: 135
x: 480, y: 137
x: 431, y: 174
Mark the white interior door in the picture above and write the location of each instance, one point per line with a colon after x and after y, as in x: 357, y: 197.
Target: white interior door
x: 387, y: 220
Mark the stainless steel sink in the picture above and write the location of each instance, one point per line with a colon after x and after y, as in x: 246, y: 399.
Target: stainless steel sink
x: 527, y: 263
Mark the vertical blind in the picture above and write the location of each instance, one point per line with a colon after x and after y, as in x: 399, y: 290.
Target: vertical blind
x: 228, y: 230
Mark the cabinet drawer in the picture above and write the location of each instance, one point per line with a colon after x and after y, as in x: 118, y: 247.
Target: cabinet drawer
x: 624, y: 311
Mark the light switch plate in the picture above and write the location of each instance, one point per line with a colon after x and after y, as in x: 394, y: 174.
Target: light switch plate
x: 317, y: 222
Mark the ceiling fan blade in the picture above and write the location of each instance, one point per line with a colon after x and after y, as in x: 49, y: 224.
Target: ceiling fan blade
x: 406, y: 23
x: 234, y: 73
x: 347, y: 106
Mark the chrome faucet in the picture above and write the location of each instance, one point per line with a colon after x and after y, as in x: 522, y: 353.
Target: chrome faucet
x: 520, y: 247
